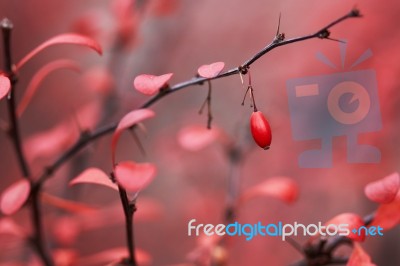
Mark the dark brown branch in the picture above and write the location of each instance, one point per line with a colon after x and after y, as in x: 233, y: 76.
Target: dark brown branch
x: 129, y: 210
x: 83, y: 141
x: 14, y: 132
x: 322, y: 251
x: 37, y: 239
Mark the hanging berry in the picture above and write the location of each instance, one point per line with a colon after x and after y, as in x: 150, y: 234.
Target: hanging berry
x: 259, y: 126
x: 260, y: 130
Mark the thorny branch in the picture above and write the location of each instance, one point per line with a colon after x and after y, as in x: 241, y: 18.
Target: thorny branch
x: 323, y: 33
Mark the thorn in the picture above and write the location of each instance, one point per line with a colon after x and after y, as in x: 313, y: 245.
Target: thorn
x: 279, y: 36
x: 245, y: 95
x: 207, y: 102
x: 336, y: 40
x: 77, y: 123
x: 279, y: 24
x: 137, y: 141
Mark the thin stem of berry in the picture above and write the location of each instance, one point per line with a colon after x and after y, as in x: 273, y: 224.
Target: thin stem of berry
x: 207, y: 102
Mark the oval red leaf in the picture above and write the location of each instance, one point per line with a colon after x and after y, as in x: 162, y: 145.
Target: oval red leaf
x: 211, y: 70
x: 149, y: 84
x: 66, y: 205
x: 93, y: 176
x: 38, y: 78
x: 353, y: 221
x: 196, y: 137
x: 359, y: 257
x: 14, y: 197
x: 5, y: 86
x: 383, y: 190
x: 283, y: 188
x: 67, y: 38
x: 126, y: 122
x: 135, y: 176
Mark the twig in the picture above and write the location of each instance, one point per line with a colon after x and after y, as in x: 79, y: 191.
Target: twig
x: 82, y: 142
x: 207, y: 102
x: 322, y: 251
x: 129, y: 210
x: 14, y: 132
x: 37, y: 238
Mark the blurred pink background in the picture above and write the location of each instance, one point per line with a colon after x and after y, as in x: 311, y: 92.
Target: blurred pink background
x: 192, y: 184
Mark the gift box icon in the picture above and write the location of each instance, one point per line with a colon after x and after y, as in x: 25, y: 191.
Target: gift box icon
x: 339, y: 104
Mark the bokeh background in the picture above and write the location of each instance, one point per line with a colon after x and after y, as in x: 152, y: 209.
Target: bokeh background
x: 178, y: 36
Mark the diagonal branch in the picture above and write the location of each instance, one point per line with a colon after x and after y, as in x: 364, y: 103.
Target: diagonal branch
x: 89, y: 137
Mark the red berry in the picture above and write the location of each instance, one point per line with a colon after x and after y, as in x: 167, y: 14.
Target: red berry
x: 260, y: 130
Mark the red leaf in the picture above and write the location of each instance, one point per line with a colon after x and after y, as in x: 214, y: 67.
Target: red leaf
x: 211, y: 70
x: 89, y: 24
x: 354, y: 222
x: 89, y: 115
x: 67, y: 38
x: 359, y: 257
x: 99, y: 80
x: 196, y: 137
x: 383, y: 190
x: 5, y: 86
x: 8, y: 226
x: 134, y: 176
x: 126, y: 122
x: 65, y: 257
x: 149, y: 84
x: 38, y: 78
x: 282, y: 188
x: 93, y: 176
x: 163, y: 7
x: 388, y: 215
x: 66, y: 205
x: 15, y: 196
x: 51, y: 142
x: 127, y: 19
x: 66, y: 230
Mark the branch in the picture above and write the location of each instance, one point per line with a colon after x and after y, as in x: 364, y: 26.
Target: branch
x: 322, y: 251
x: 277, y: 42
x: 14, y: 132
x: 129, y: 211
x: 37, y: 239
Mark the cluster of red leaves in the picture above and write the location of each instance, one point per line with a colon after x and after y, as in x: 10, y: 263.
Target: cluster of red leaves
x: 386, y: 192
x: 130, y: 175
